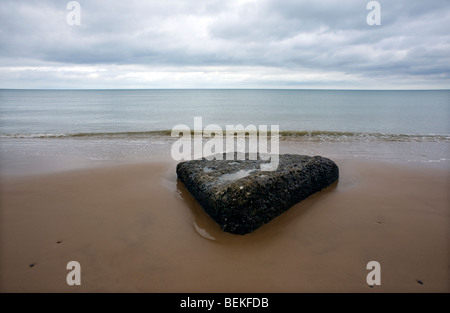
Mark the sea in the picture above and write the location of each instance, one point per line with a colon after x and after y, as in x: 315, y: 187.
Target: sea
x: 52, y: 130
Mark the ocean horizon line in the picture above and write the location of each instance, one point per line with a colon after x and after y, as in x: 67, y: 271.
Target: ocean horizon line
x: 221, y: 89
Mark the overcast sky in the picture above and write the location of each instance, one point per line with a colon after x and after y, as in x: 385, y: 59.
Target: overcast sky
x: 225, y: 44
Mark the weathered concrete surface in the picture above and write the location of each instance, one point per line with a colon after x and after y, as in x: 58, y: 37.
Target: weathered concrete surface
x: 240, y: 197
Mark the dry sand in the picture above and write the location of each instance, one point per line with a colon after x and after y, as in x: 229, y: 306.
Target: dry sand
x: 134, y: 228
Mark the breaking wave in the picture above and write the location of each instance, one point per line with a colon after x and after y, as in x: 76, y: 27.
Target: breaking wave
x: 314, y: 136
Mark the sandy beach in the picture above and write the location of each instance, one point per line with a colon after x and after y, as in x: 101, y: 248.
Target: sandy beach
x: 135, y: 228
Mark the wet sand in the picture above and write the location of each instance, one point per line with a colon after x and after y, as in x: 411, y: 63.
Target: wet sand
x: 135, y: 228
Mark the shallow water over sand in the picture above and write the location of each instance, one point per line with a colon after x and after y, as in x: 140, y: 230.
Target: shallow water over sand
x: 33, y: 156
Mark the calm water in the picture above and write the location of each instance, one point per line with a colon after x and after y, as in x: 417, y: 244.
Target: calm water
x: 34, y: 112
x: 47, y: 130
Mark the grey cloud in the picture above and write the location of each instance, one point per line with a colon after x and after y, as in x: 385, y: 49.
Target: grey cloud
x: 317, y: 35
